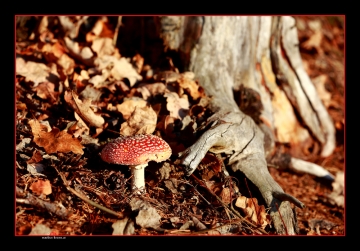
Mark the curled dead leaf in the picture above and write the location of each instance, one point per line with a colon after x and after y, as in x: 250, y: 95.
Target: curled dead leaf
x: 83, y: 109
x: 187, y: 83
x: 251, y: 209
x: 178, y: 107
x: 103, y: 46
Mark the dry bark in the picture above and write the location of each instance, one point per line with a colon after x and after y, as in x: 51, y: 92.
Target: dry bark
x: 226, y: 52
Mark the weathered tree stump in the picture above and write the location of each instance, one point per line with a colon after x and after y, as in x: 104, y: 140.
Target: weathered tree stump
x: 260, y: 53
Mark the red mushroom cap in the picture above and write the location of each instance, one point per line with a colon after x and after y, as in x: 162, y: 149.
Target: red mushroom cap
x: 136, y: 150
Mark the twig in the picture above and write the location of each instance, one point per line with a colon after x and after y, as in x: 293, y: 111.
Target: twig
x: 117, y: 30
x: 84, y: 198
x: 32, y: 200
x: 286, y: 231
x: 287, y: 197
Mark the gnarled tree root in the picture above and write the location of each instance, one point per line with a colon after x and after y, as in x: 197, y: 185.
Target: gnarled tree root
x: 237, y: 134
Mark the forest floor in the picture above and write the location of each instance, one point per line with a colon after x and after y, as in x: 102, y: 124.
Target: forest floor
x: 71, y: 100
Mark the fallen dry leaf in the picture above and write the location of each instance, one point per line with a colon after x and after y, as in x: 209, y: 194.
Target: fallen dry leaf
x: 35, y: 169
x: 314, y: 41
x: 148, y: 90
x: 78, y: 128
x: 138, y: 60
x: 83, y: 109
x: 127, y: 107
x: 123, y: 226
x: 56, y: 52
x: 34, y: 72
x: 178, y: 107
x: 167, y: 76
x: 252, y: 210
x: 120, y: 68
x: 212, y: 162
x: 96, y: 30
x: 101, y: 29
x: 170, y: 185
x: 36, y: 157
x: 100, y: 80
x: 103, y: 46
x: 71, y: 28
x: 55, y: 140
x: 41, y: 187
x: 142, y: 121
x: 187, y: 83
x: 215, y: 187
x: 46, y: 90
x: 225, y: 195
x: 91, y: 93
x: 123, y: 69
x: 84, y: 54
x: 147, y: 217
x: 40, y: 229
x: 22, y: 144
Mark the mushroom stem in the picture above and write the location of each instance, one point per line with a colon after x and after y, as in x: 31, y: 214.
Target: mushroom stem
x: 138, y: 177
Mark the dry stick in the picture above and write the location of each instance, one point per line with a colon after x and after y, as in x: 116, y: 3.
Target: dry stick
x: 231, y: 209
x: 117, y: 30
x: 32, y: 200
x: 286, y: 231
x: 287, y: 197
x: 84, y: 198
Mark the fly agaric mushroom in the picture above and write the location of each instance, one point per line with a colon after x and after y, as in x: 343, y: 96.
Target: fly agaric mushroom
x: 136, y: 151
